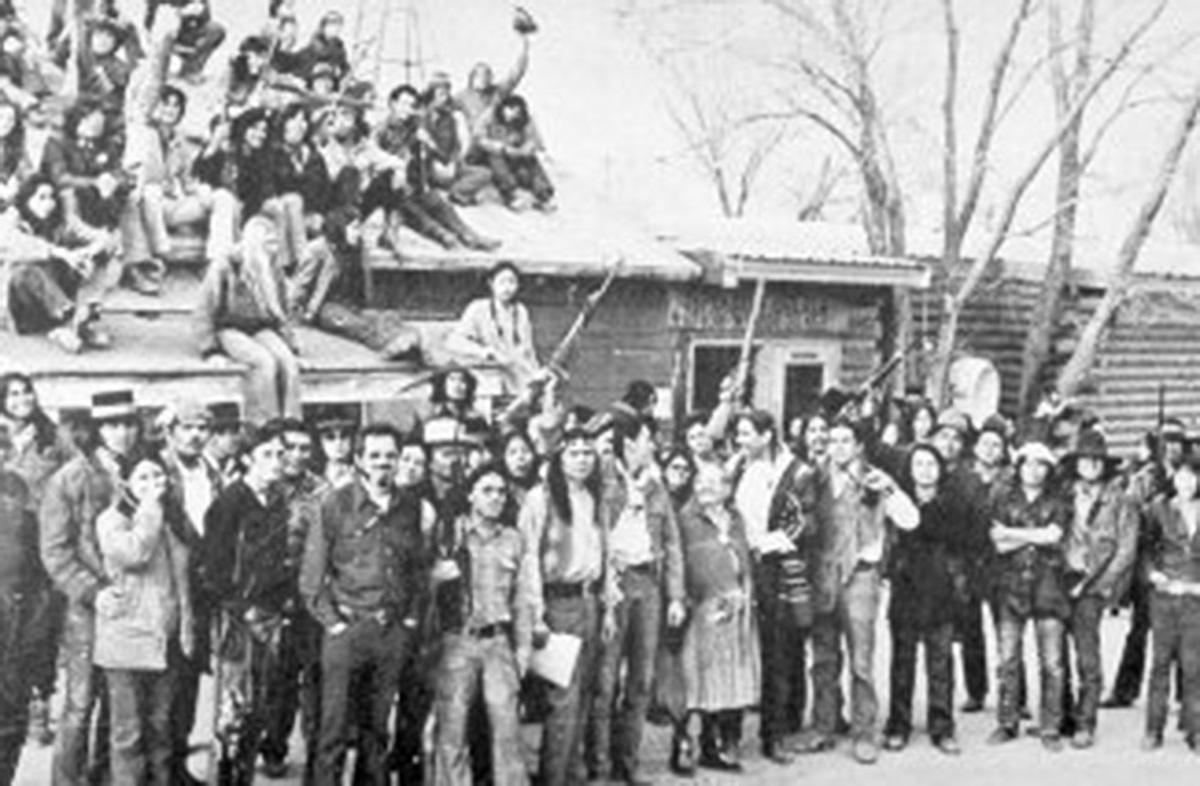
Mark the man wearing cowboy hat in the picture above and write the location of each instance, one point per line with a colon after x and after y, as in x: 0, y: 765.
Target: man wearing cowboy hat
x: 74, y: 497
x: 1028, y: 523
x: 1100, y: 547
x: 952, y: 433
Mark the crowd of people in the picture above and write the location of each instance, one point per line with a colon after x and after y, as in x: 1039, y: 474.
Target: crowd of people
x: 394, y: 591
x: 411, y: 595
x: 297, y: 156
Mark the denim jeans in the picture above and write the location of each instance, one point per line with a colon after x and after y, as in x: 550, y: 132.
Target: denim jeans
x: 271, y: 386
x: 939, y: 678
x: 17, y: 678
x: 294, y: 687
x: 366, y: 659
x: 141, y: 725
x: 969, y: 631
x: 562, y: 736
x: 638, y: 616
x: 468, y: 665
x: 784, y: 677
x: 1049, y: 632
x: 853, y: 617
x: 1128, y: 683
x: 85, y: 701
x: 1175, y: 623
x: 1084, y: 629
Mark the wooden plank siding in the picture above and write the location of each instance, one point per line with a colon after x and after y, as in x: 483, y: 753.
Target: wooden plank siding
x: 1154, y: 338
x: 644, y: 328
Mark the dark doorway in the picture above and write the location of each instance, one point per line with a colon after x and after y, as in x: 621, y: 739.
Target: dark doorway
x: 803, y: 383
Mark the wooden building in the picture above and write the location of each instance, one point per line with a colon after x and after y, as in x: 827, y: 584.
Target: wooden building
x: 674, y: 317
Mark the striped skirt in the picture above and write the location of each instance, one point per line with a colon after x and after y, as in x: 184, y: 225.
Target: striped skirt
x: 720, y: 656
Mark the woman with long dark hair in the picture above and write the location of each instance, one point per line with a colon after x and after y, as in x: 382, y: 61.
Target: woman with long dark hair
x: 1173, y: 573
x: 143, y: 618
x: 297, y: 174
x: 497, y: 329
x: 921, y: 611
x: 564, y: 518
x: 679, y: 475
x: 520, y: 462
x: 510, y: 146
x: 61, y: 269
x: 38, y: 449
x: 452, y: 395
x: 39, y: 446
x: 236, y: 317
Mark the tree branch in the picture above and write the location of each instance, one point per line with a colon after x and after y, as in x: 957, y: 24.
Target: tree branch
x: 1082, y: 359
x: 980, y: 264
x: 987, y: 126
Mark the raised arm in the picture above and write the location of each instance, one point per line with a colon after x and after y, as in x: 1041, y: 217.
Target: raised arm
x: 151, y: 74
x: 129, y: 543
x: 510, y: 82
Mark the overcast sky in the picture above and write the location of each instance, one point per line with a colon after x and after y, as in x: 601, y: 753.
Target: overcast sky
x: 602, y: 97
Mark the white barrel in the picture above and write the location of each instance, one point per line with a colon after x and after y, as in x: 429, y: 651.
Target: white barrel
x: 975, y: 388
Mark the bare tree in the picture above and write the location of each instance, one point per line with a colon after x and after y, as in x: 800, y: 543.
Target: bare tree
x: 1077, y: 367
x: 957, y: 220
x: 1066, y: 87
x: 730, y: 150
x: 837, y: 45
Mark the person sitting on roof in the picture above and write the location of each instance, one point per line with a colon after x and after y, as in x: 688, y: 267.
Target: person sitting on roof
x: 105, y: 66
x: 447, y: 126
x: 510, y: 146
x: 410, y: 197
x: 21, y: 80
x: 165, y: 195
x: 497, y: 329
x: 199, y: 36
x: 327, y: 45
x: 236, y: 318
x: 322, y: 80
x: 62, y: 268
x: 483, y: 92
x: 288, y: 57
x: 86, y: 164
x: 326, y: 291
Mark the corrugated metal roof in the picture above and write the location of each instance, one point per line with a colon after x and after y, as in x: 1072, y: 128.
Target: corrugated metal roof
x: 797, y: 251
x: 846, y: 244
x: 783, y: 241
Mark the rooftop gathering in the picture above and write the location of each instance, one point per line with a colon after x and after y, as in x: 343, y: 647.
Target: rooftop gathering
x: 344, y: 437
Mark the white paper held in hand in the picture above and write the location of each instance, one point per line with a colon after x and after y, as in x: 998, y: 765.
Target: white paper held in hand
x: 556, y: 661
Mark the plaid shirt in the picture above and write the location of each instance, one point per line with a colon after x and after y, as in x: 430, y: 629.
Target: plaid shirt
x: 502, y: 572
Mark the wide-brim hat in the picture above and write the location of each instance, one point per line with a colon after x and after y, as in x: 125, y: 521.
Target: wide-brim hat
x: 1036, y: 451
x: 113, y: 405
x: 1091, y: 444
